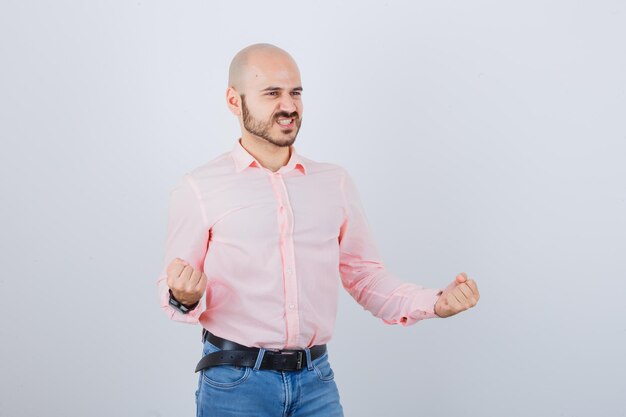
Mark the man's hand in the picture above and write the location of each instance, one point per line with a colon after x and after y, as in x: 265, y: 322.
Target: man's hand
x: 187, y: 284
x: 460, y: 295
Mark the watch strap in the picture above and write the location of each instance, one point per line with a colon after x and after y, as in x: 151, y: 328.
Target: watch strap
x: 180, y: 306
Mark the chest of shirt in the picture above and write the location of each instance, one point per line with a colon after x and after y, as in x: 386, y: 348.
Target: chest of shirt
x: 261, y: 207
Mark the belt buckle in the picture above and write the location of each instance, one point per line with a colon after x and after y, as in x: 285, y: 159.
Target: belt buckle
x: 294, y: 352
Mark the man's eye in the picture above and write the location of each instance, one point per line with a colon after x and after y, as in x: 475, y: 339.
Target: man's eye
x: 272, y: 93
x: 296, y: 93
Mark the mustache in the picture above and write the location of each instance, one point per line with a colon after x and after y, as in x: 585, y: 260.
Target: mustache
x: 285, y: 114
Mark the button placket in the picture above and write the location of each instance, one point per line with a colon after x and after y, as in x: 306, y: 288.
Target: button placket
x: 285, y: 219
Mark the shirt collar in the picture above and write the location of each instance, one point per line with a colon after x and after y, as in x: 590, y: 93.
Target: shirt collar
x: 243, y: 159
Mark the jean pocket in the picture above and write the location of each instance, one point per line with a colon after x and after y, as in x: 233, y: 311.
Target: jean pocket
x: 322, y: 368
x: 223, y: 376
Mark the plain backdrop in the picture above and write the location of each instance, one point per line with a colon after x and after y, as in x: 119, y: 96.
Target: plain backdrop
x: 484, y: 136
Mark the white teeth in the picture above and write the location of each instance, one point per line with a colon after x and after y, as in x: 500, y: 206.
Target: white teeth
x: 284, y: 121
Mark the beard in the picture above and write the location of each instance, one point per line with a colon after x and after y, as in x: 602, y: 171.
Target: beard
x: 262, y: 129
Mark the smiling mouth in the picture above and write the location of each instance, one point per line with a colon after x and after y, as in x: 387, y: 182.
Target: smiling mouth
x: 286, y: 123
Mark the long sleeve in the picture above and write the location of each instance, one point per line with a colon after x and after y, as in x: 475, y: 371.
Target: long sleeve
x: 187, y: 238
x: 364, y: 275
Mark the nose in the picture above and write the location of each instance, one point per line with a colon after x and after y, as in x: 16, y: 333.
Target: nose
x: 287, y: 103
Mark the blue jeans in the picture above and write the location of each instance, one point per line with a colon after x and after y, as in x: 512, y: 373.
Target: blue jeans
x: 233, y: 391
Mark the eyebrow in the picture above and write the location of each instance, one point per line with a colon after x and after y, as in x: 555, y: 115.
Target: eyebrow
x: 280, y: 89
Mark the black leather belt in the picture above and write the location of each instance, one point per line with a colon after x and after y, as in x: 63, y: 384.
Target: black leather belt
x: 232, y: 353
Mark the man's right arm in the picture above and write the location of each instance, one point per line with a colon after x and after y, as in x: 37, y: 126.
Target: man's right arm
x: 187, y: 239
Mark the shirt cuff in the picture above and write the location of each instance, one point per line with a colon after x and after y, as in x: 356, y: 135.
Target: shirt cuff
x: 424, y: 306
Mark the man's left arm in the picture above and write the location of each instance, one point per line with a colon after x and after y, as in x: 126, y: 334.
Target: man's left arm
x: 366, y: 279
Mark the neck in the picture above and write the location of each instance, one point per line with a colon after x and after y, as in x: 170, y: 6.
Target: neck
x: 270, y: 156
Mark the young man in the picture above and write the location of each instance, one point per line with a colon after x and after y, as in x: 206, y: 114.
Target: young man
x: 266, y: 235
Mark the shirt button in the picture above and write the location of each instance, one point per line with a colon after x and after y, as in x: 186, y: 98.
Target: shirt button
x: 292, y: 306
x: 289, y: 271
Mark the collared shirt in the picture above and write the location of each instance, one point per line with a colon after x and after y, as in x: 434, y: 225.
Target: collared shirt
x: 275, y: 246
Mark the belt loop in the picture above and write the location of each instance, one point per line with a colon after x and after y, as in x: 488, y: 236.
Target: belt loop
x: 309, y: 362
x: 259, y: 359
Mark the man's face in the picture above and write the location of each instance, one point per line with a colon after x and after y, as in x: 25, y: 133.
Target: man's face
x: 272, y: 105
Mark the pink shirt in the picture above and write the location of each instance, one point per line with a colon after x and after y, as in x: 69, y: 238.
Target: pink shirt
x: 275, y: 246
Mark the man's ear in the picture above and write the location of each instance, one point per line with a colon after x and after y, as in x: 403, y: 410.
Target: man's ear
x: 233, y: 101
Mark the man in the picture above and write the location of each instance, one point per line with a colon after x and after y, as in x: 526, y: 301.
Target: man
x: 266, y: 235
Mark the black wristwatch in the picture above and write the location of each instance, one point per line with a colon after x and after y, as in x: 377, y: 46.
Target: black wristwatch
x: 180, y: 306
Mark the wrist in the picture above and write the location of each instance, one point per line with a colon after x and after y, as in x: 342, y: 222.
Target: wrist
x: 179, y: 305
x: 435, y: 307
x: 181, y: 299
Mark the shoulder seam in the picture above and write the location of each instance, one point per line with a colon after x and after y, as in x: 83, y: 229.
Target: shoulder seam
x: 196, y: 191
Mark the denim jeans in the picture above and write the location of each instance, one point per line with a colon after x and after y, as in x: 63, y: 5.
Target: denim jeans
x: 234, y: 391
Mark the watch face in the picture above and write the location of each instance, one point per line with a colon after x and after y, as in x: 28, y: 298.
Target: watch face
x: 178, y: 306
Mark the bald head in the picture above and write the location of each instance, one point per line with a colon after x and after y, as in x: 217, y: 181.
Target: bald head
x: 265, y: 93
x: 254, y: 60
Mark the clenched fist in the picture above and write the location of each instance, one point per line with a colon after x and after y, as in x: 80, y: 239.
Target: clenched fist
x: 187, y: 285
x: 460, y: 295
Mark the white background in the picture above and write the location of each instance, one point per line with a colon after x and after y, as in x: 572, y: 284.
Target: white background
x: 484, y: 136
